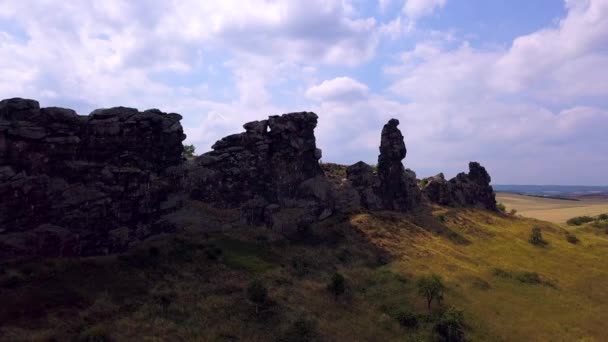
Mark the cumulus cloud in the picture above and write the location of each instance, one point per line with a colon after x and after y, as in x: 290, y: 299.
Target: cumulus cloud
x: 532, y: 110
x: 419, y: 8
x: 340, y: 89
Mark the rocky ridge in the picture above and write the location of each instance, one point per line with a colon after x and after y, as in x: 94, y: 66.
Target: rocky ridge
x: 96, y: 184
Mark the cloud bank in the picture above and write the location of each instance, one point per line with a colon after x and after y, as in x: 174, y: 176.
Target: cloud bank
x: 533, y: 110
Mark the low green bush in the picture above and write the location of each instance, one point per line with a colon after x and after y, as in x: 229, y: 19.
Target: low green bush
x: 536, y: 237
x: 450, y: 326
x: 572, y: 238
x: 406, y: 318
x: 579, y: 220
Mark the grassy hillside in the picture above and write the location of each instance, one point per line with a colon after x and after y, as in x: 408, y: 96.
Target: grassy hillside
x: 193, y: 286
x: 552, y: 210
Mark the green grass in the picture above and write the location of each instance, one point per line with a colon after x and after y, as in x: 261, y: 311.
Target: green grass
x: 192, y: 286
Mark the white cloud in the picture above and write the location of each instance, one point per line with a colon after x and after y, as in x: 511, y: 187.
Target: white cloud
x: 340, y: 89
x: 418, y: 8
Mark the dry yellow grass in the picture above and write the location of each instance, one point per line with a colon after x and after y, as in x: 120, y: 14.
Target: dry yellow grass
x: 574, y: 308
x: 184, y: 291
x: 552, y: 210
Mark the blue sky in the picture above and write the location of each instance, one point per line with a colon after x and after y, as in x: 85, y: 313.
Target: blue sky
x: 520, y: 86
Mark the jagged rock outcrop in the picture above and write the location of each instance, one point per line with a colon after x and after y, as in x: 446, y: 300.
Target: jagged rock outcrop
x: 271, y: 166
x: 398, y: 188
x: 390, y: 186
x: 81, y: 185
x: 471, y: 189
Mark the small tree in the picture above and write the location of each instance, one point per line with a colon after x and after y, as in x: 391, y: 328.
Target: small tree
x: 188, y: 151
x: 257, y: 294
x: 431, y: 288
x: 337, y: 285
x: 536, y: 237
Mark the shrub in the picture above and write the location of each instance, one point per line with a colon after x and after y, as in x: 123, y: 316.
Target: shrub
x: 579, y: 220
x: 406, y: 318
x: 337, y: 285
x: 94, y: 334
x: 513, y: 212
x: 501, y: 207
x: 603, y: 217
x: 499, y: 272
x: 302, y: 330
x: 450, y: 327
x: 431, y: 288
x: 529, y: 278
x: 572, y: 238
x: 536, y: 237
x: 300, y: 267
x: 257, y: 293
x: 188, y: 151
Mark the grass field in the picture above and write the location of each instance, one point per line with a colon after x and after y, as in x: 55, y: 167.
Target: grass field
x: 552, y: 210
x: 192, y: 286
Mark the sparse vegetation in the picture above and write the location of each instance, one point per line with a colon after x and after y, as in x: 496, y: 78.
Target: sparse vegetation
x: 501, y: 207
x: 167, y: 287
x: 337, y: 285
x: 450, y: 327
x: 302, y: 330
x: 406, y: 318
x: 572, y: 238
x: 524, y: 277
x: 257, y: 293
x: 431, y: 288
x: 536, y: 237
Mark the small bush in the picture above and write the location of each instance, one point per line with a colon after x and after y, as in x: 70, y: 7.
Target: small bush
x: 513, y: 212
x: 572, y: 238
x: 337, y: 285
x: 406, y: 318
x: 94, y: 334
x: 189, y: 151
x: 300, y: 267
x: 501, y: 207
x: 579, y: 220
x: 302, y: 330
x: 450, y: 327
x: 257, y: 293
x: 499, y: 272
x: 603, y: 217
x: 536, y: 237
x: 529, y: 278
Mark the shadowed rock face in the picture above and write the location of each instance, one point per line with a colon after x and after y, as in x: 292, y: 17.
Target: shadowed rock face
x: 398, y: 189
x: 273, y: 165
x: 73, y: 185
x: 391, y: 187
x: 96, y: 184
x: 464, y: 190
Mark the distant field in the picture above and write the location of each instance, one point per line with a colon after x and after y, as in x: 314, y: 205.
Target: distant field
x: 552, y: 210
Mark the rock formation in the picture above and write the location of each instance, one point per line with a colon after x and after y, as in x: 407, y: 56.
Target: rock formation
x: 464, y: 190
x: 273, y: 165
x: 391, y: 187
x: 96, y: 184
x: 81, y: 185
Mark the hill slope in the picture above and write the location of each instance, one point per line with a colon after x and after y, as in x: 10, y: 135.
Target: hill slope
x: 192, y: 286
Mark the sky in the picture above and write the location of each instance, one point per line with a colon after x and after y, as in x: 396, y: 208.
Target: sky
x: 520, y: 86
